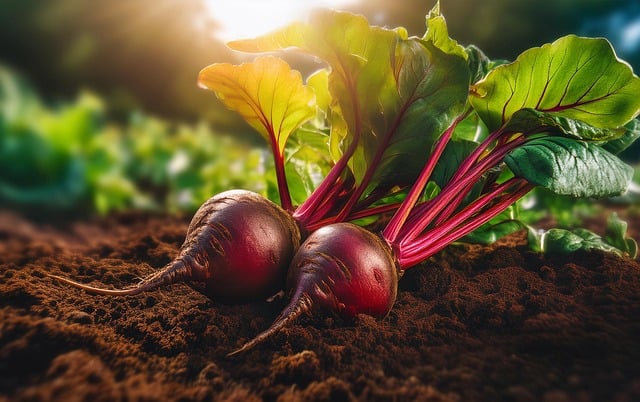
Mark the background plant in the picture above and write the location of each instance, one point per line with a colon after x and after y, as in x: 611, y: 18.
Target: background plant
x: 71, y: 157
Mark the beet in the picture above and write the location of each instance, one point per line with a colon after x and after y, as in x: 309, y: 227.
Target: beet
x: 342, y: 269
x: 239, y: 244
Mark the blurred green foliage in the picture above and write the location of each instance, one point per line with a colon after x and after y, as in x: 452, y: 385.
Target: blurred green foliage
x: 71, y: 158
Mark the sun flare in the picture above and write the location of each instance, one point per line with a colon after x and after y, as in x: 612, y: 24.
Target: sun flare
x: 239, y: 19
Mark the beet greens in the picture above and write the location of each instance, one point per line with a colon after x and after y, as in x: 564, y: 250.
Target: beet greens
x: 549, y: 119
x: 380, y: 104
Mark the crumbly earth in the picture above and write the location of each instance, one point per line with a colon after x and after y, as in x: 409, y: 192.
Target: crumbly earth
x: 474, y: 323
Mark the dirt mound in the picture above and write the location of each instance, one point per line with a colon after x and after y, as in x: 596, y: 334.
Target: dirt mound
x: 497, y: 323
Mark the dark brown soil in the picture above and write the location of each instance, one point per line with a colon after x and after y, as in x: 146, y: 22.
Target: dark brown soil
x: 475, y: 323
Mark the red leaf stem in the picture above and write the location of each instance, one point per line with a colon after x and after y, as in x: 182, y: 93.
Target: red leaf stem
x: 396, y: 223
x: 465, y: 222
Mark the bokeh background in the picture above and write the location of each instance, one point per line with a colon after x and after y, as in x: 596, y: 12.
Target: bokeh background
x: 100, y: 111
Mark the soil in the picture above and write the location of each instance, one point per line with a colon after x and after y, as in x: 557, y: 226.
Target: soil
x: 474, y: 323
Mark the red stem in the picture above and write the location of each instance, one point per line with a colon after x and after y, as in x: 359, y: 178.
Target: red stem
x: 373, y: 165
x: 475, y: 155
x: 453, y: 193
x: 283, y: 187
x: 458, y: 198
x: 306, y: 214
x: 465, y: 222
x: 324, y: 209
x: 446, y: 225
x: 377, y: 210
x: 392, y: 230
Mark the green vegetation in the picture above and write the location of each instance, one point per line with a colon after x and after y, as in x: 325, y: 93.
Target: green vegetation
x: 72, y: 158
x: 459, y: 137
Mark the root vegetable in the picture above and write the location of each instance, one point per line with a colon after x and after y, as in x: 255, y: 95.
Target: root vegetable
x: 340, y: 268
x: 238, y: 244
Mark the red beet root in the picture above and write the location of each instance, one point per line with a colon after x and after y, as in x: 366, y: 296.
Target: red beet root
x: 340, y: 268
x: 238, y: 244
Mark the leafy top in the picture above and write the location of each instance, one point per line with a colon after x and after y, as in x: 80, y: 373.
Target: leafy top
x: 574, y: 77
x: 267, y: 93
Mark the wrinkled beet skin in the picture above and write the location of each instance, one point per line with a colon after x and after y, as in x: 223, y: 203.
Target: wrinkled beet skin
x: 248, y: 242
x: 345, y: 269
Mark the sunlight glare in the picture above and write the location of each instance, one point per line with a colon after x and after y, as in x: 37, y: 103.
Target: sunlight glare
x: 241, y: 19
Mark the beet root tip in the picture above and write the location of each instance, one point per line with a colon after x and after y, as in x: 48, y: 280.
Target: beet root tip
x: 294, y: 309
x: 95, y: 290
x: 175, y: 271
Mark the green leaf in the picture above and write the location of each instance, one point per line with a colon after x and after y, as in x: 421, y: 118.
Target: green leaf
x: 293, y: 35
x: 479, y: 63
x: 570, y: 167
x: 319, y: 82
x: 472, y: 128
x: 631, y: 134
x: 267, y: 93
x: 529, y: 121
x: 438, y: 34
x: 345, y: 41
x: 563, y: 241
x: 307, y: 162
x: 616, y: 235
x: 431, y: 77
x: 361, y: 81
x: 432, y: 88
x: 574, y: 77
x: 359, y: 55
x: 387, y: 91
x: 492, y: 232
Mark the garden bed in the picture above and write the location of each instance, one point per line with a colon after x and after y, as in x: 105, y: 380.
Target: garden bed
x: 487, y: 323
